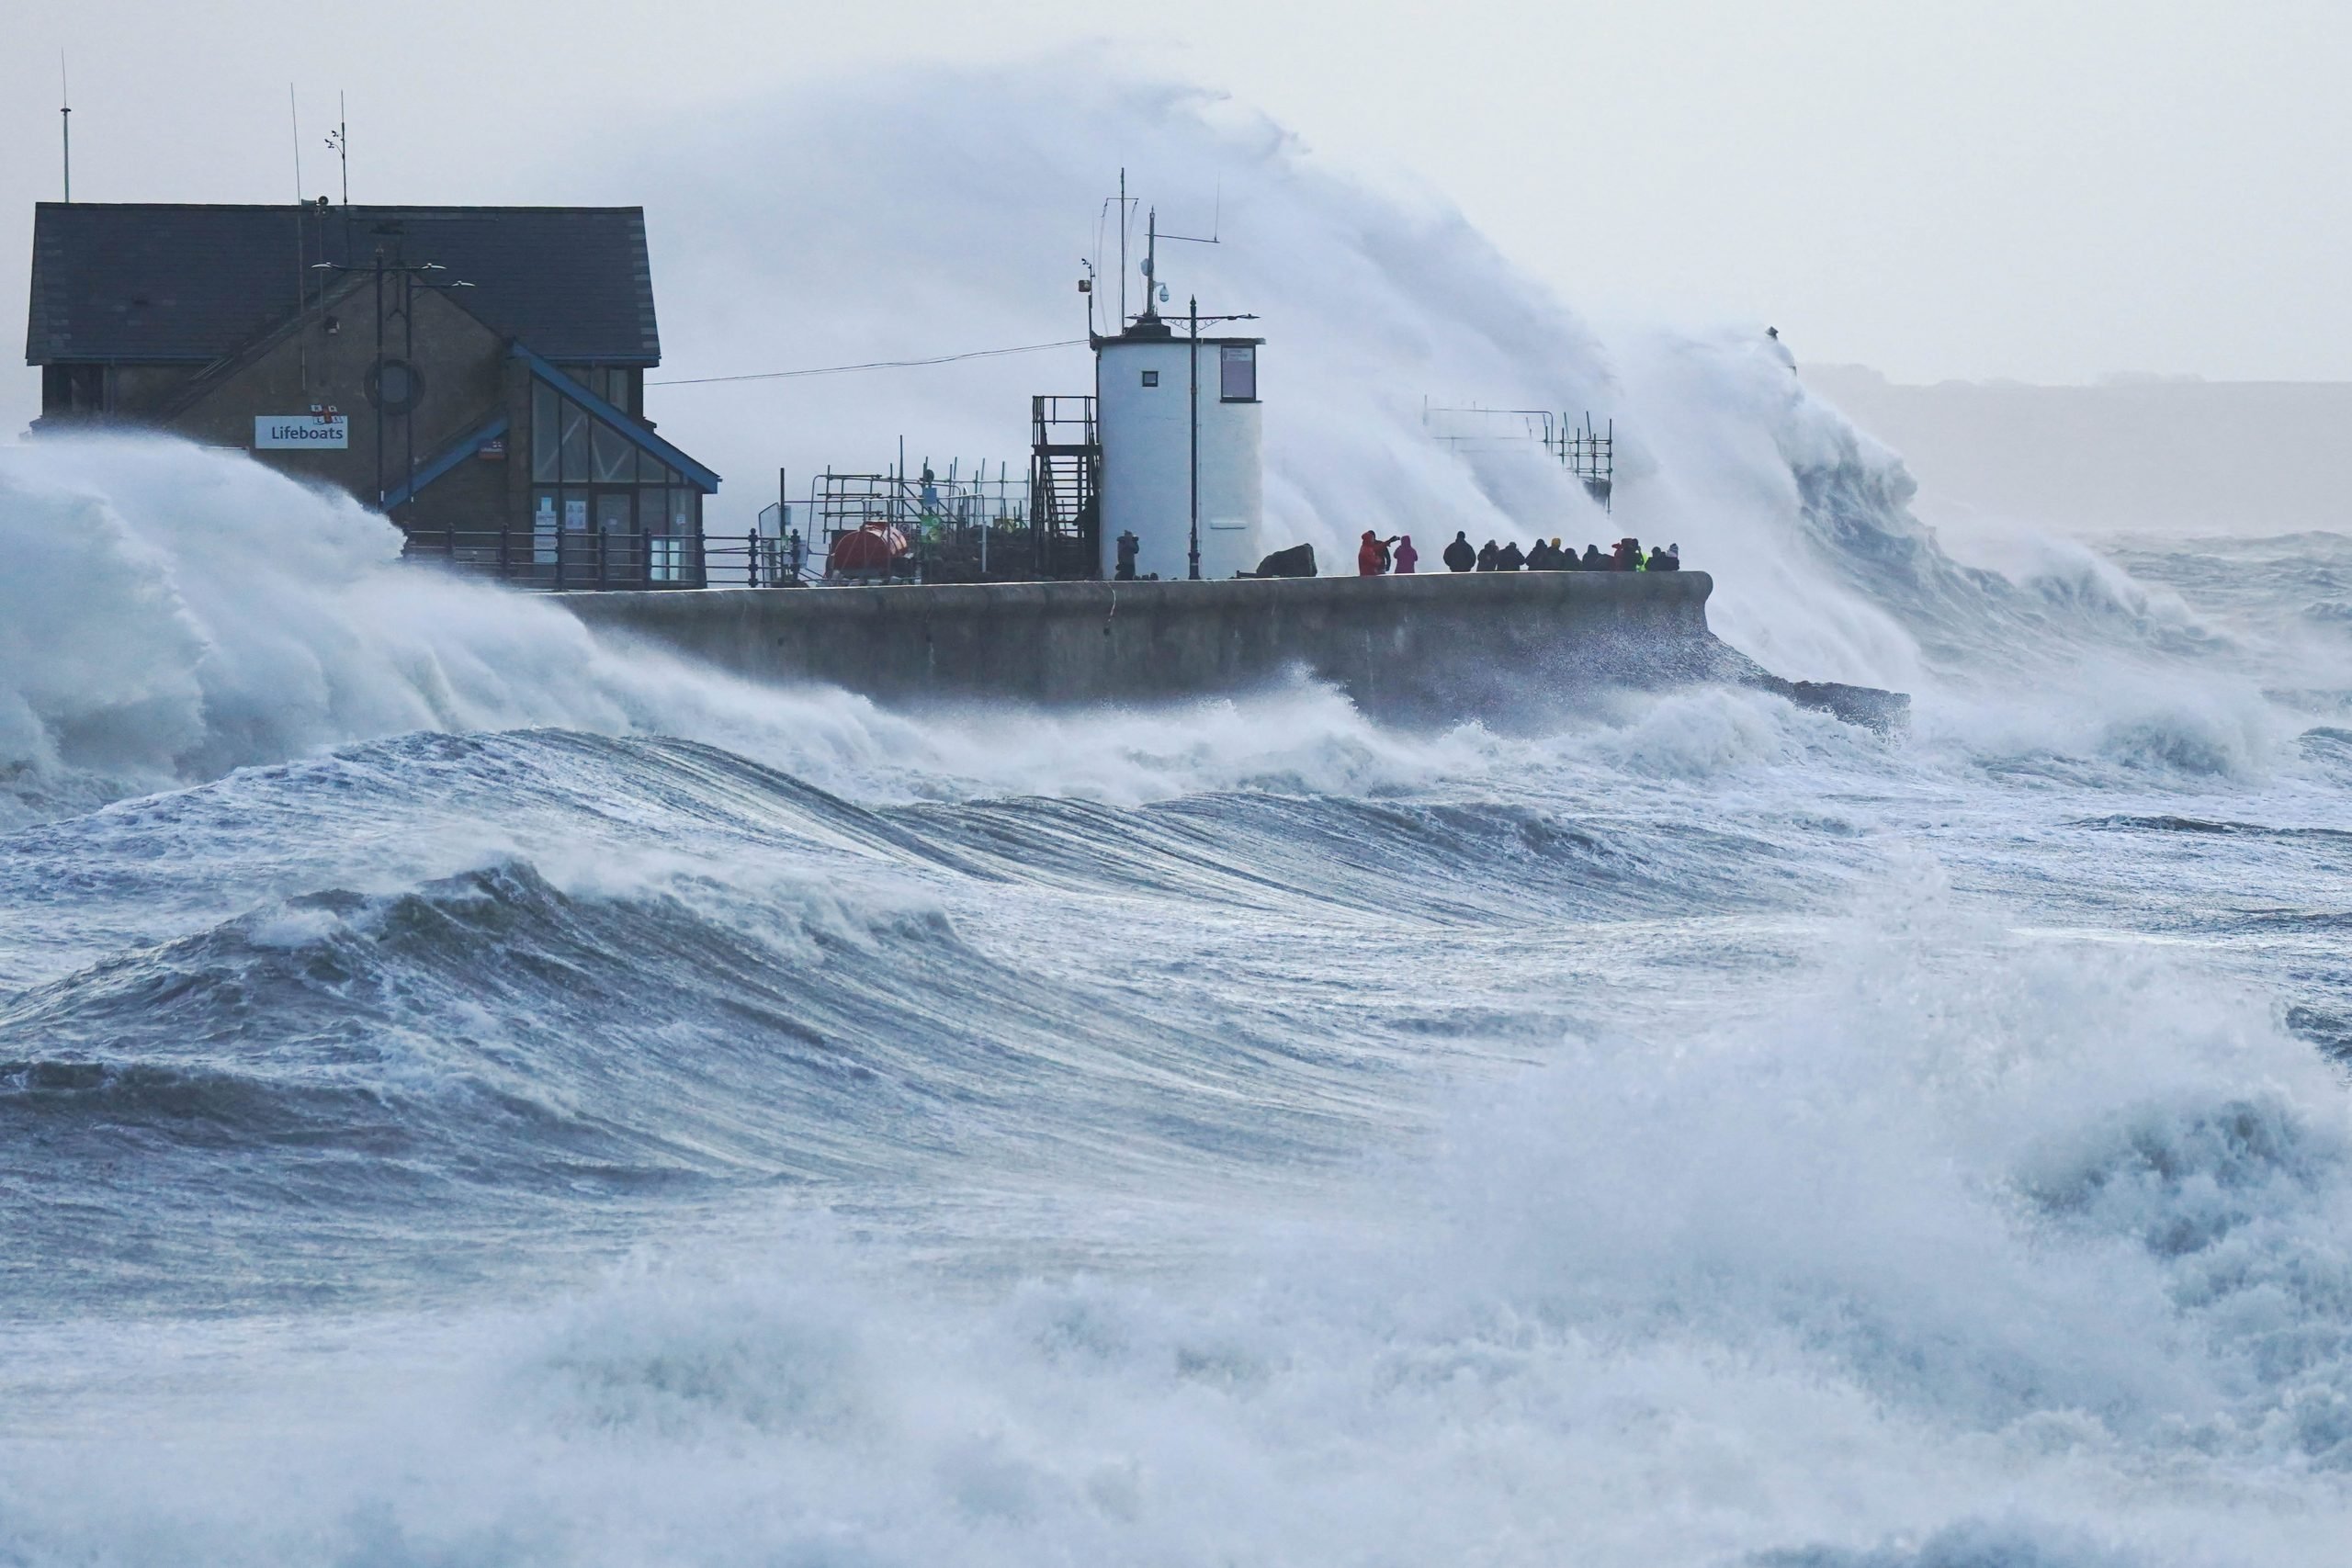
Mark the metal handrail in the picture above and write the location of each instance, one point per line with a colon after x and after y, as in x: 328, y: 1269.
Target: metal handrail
x: 598, y: 559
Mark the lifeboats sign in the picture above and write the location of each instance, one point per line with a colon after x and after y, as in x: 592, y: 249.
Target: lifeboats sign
x: 294, y: 432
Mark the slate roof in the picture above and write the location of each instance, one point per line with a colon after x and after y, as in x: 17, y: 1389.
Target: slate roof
x: 172, y: 283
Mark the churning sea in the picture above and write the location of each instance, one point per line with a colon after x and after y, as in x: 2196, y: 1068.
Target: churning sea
x: 472, y: 1097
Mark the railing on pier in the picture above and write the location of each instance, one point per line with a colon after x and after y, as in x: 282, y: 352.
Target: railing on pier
x: 963, y: 547
x: 597, y: 559
x: 964, y: 527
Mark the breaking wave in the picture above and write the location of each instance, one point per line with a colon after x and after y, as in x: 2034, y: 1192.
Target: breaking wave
x: 1950, y: 1220
x: 474, y: 1093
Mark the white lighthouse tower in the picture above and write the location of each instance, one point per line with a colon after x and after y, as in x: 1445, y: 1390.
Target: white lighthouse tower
x: 1184, y: 443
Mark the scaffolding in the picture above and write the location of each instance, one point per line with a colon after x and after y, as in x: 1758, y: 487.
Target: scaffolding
x: 1591, y: 456
x: 1588, y: 452
x: 974, y: 523
x: 966, y: 526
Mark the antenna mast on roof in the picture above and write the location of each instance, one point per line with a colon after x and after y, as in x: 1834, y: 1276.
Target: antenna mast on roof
x: 1152, y: 252
x: 65, y: 123
x: 340, y: 139
x: 301, y: 301
x: 1151, y: 263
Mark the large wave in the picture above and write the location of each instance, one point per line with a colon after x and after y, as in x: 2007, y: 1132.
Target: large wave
x: 511, y: 1096
x: 179, y: 613
x: 1951, y: 1252
x: 1373, y: 303
x: 659, y: 962
x: 173, y: 614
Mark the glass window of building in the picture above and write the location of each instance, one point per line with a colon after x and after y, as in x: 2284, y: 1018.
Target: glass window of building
x: 1238, y: 373
x: 614, y: 455
x: 575, y: 424
x: 545, y: 433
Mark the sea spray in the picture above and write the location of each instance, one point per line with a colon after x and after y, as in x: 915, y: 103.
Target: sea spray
x: 511, y: 1098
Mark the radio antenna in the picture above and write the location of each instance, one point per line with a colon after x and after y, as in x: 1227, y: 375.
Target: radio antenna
x: 294, y: 119
x: 66, y: 124
x: 340, y: 139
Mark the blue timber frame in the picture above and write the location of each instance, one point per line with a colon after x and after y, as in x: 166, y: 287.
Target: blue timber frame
x: 458, y: 451
x: 701, y: 477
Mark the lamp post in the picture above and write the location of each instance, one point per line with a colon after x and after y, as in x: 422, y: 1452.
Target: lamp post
x: 1192, y: 346
x: 1192, y: 318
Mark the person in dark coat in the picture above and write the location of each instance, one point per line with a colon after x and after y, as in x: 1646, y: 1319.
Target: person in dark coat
x: 1488, y: 556
x: 1657, y: 561
x: 1674, y: 557
x: 1510, y: 558
x: 1593, y: 559
x: 1539, y: 556
x: 1459, y: 556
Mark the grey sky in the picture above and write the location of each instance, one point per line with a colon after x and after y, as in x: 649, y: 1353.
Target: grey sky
x: 2047, y: 192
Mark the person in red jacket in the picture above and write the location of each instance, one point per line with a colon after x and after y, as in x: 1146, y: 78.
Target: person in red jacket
x: 1372, y: 556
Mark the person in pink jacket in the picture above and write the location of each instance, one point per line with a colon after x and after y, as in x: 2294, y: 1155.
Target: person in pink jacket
x: 1406, y: 555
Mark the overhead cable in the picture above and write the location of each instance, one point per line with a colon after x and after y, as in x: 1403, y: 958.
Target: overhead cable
x: 871, y: 365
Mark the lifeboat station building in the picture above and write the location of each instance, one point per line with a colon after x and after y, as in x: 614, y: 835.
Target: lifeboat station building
x: 475, y: 373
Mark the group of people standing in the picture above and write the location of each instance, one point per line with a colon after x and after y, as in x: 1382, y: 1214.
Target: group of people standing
x: 1377, y: 556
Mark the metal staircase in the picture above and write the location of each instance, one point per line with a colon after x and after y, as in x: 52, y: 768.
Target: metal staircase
x: 1065, y: 487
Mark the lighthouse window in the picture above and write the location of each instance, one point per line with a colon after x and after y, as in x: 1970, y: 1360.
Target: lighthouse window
x: 1238, y: 374
x: 1151, y: 378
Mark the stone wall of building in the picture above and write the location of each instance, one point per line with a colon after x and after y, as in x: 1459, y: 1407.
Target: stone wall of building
x: 461, y: 364
x: 139, y: 389
x: 470, y: 498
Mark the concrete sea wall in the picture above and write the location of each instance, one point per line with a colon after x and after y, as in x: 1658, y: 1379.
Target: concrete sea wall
x: 1436, y: 643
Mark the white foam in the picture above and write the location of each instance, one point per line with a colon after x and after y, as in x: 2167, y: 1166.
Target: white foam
x: 1892, y: 1254
x: 1372, y: 302
x: 184, y: 613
